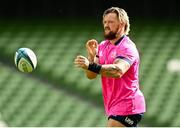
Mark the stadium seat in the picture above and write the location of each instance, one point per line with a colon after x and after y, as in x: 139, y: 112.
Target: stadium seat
x: 58, y: 94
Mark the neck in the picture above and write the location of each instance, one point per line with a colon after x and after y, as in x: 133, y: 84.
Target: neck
x: 116, y: 39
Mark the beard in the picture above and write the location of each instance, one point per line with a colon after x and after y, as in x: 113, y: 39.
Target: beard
x: 110, y: 35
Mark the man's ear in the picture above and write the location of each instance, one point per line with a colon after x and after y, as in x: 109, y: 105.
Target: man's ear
x: 121, y: 28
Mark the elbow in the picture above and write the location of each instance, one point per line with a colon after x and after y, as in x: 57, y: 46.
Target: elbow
x: 91, y: 76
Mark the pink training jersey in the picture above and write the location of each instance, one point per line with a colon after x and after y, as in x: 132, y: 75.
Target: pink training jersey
x: 122, y: 96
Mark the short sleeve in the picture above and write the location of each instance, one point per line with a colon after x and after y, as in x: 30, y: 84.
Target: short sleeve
x: 128, y: 53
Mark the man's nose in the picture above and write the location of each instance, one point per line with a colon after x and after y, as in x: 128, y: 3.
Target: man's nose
x: 106, y: 25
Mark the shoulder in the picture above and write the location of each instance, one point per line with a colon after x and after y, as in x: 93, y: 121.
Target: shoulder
x: 128, y: 45
x: 104, y: 42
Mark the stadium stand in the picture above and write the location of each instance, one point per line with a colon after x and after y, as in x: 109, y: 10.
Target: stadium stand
x: 25, y: 100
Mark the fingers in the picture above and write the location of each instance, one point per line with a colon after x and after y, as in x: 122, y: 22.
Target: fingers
x: 81, y: 62
x: 91, y: 47
x: 81, y: 57
x: 92, y: 43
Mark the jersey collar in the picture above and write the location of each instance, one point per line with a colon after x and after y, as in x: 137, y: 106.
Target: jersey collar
x: 117, y: 42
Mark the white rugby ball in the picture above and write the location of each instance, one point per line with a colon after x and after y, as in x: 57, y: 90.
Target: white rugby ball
x: 25, y: 60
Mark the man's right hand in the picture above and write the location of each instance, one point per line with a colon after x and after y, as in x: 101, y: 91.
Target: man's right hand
x: 91, y: 47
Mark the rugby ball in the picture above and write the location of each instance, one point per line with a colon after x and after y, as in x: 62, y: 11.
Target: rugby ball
x: 25, y: 60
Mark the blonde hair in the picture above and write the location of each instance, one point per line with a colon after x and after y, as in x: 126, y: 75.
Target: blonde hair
x: 122, y: 15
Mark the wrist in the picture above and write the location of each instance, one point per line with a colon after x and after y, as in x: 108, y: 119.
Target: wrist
x: 96, y: 68
x: 91, y: 59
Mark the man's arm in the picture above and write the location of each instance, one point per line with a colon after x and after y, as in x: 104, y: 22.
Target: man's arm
x: 90, y: 74
x: 91, y: 47
x: 115, y: 70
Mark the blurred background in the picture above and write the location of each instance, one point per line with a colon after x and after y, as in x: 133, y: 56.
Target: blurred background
x: 57, y: 94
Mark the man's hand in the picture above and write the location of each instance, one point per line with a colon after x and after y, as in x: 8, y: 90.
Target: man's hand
x: 81, y: 62
x: 91, y: 47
